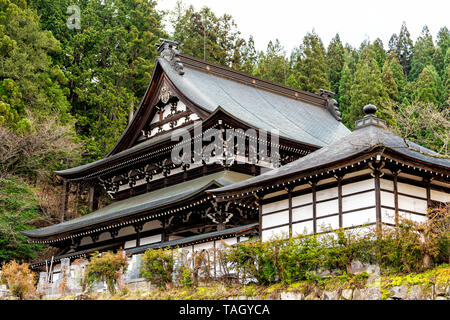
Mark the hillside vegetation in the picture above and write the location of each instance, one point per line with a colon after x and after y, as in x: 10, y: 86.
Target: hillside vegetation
x: 66, y: 94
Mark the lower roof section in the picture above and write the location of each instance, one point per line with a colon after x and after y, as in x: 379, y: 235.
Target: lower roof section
x: 154, y: 200
x: 216, y: 235
x: 200, y: 238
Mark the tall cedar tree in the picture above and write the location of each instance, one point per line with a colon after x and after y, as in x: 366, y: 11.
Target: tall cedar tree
x: 108, y: 61
x: 423, y: 52
x: 389, y: 82
x: 345, y: 85
x: 428, y: 86
x: 335, y: 62
x: 380, y: 53
x: 311, y: 64
x: 399, y: 77
x: 402, y: 46
x: 367, y: 87
x: 272, y: 65
x: 29, y: 78
x: 204, y: 35
x: 18, y: 212
x: 249, y: 57
x: 443, y: 39
x: 446, y: 79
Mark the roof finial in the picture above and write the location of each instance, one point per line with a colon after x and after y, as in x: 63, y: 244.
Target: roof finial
x: 370, y: 119
x: 167, y: 50
x: 370, y: 109
x: 332, y: 103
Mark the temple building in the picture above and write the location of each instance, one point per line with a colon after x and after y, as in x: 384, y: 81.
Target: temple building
x: 367, y: 179
x: 159, y: 202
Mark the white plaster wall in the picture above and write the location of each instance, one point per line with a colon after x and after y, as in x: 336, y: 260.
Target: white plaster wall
x: 306, y: 227
x: 166, y: 111
x: 358, y: 218
x: 276, y: 232
x: 387, y: 199
x: 275, y: 219
x: 358, y: 201
x: 275, y: 206
x: 387, y: 184
x: 327, y: 223
x: 130, y: 244
x: 221, y: 243
x: 326, y: 208
x: 412, y: 204
x: 326, y: 194
x: 302, y: 213
x: 204, y: 246
x: 303, y: 199
x: 411, y: 216
x: 388, y: 215
x: 358, y: 186
x: 439, y: 196
x: 151, y: 239
x: 411, y: 190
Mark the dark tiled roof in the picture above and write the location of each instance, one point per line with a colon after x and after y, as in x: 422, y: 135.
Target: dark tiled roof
x: 141, y: 203
x: 360, y: 141
x: 138, y: 147
x: 293, y: 118
x: 196, y: 238
x: 260, y: 108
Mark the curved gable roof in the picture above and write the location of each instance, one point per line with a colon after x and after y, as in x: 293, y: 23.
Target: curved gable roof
x: 294, y: 118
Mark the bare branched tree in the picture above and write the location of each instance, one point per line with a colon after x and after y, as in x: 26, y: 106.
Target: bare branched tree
x: 47, y: 145
x: 424, y: 124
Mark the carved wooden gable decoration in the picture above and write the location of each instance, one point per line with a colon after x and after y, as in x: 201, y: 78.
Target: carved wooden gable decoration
x: 168, y: 114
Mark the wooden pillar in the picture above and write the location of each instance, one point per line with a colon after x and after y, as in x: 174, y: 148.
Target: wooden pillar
x: 138, y: 228
x: 259, y: 202
x: 377, y: 198
x: 93, y: 198
x: 64, y: 200
x: 427, y: 183
x: 314, y: 200
x: 339, y: 181
x: 396, y: 196
x: 289, y: 190
x: 164, y: 235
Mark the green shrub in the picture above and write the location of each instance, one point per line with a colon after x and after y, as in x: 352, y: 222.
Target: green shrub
x: 185, y: 277
x: 157, y: 266
x: 106, y: 266
x: 258, y: 259
x: 411, y: 247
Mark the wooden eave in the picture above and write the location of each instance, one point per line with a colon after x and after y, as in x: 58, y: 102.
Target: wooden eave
x: 246, y: 191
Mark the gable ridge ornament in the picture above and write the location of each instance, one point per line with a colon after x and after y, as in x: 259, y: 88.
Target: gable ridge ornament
x: 332, y: 103
x: 165, y: 94
x: 167, y: 50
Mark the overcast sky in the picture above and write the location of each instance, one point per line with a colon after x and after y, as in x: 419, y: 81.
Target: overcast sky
x: 289, y: 20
